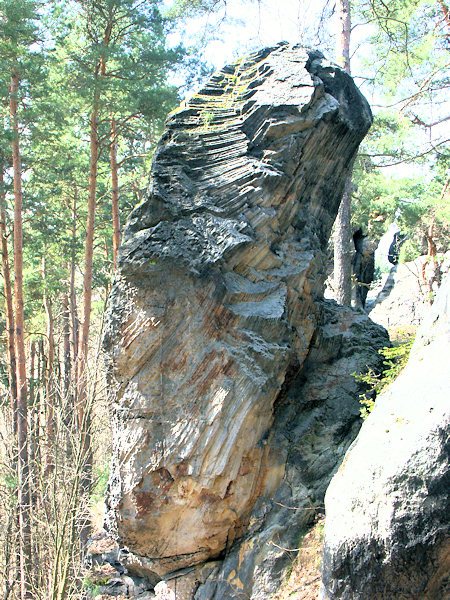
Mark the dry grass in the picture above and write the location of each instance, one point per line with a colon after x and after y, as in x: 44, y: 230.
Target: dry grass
x: 304, y: 580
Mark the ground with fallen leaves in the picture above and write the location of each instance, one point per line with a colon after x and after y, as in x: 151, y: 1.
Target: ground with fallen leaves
x: 303, y: 582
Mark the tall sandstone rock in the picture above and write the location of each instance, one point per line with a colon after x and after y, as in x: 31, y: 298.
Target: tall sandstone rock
x: 225, y: 364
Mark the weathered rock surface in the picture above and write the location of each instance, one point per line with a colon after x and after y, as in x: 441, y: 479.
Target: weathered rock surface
x: 403, y: 298
x: 388, y: 507
x: 316, y: 417
x: 221, y: 386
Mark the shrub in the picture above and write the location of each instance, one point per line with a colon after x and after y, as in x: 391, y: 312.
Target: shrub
x: 395, y: 359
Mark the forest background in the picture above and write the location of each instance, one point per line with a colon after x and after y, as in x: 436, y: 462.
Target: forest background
x: 85, y: 88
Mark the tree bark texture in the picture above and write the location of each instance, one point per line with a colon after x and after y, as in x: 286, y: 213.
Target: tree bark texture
x: 343, y: 251
x: 22, y: 396
x: 114, y: 192
x: 9, y: 314
x: 343, y: 247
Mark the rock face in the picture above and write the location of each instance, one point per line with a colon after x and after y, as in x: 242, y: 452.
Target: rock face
x: 388, y: 507
x: 403, y: 298
x: 216, y: 313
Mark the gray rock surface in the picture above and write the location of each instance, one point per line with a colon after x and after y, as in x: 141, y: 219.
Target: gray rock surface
x: 226, y: 405
x: 315, y: 419
x: 388, y: 507
x: 403, y: 299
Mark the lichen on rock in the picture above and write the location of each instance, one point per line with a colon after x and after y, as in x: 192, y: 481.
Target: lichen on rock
x: 217, y: 306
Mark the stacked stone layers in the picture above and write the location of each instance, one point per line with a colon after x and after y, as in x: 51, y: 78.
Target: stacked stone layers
x: 214, y: 307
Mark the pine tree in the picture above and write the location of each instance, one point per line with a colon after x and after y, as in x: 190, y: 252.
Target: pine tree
x: 343, y: 250
x: 17, y: 34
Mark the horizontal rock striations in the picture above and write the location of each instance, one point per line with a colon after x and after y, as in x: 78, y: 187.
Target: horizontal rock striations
x: 215, y: 306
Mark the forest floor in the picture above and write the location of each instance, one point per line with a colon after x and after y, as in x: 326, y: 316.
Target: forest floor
x: 303, y: 582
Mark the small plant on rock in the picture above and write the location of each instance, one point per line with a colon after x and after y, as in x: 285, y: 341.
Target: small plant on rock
x: 395, y: 359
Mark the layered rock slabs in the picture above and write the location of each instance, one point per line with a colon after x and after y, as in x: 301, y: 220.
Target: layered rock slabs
x: 215, y: 305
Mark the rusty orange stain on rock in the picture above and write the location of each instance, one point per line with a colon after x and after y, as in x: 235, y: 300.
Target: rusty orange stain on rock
x: 143, y: 502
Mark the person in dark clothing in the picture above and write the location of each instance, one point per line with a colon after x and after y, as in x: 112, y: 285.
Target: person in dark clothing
x: 394, y: 248
x: 363, y: 265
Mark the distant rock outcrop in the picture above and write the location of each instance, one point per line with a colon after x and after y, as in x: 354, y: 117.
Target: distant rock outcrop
x: 402, y: 298
x: 230, y: 376
x: 387, y: 532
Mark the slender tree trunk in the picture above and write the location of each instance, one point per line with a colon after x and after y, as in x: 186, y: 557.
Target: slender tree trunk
x: 114, y: 192
x: 39, y: 405
x: 48, y: 379
x: 34, y: 423
x: 67, y: 362
x: 343, y: 252
x: 11, y: 354
x: 9, y: 314
x: 73, y: 294
x: 83, y: 405
x: 22, y: 396
x: 67, y: 396
x: 88, y: 262
x: 343, y: 42
x: 88, y: 258
x: 343, y: 246
x: 137, y: 191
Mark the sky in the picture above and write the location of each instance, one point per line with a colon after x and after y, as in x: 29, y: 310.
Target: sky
x: 240, y: 26
x: 252, y: 24
x: 243, y: 25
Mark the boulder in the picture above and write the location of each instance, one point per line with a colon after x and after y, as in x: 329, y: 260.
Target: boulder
x: 388, y: 507
x: 216, y: 313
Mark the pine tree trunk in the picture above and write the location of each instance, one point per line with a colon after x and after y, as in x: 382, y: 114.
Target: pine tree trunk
x: 67, y: 362
x: 9, y: 314
x: 343, y: 251
x: 343, y: 246
x: 48, y: 379
x: 34, y: 424
x: 83, y: 406
x: 22, y: 407
x: 345, y: 25
x: 114, y: 192
x: 11, y: 354
x: 73, y: 293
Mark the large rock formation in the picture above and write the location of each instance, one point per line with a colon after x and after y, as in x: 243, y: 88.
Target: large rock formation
x: 215, y: 314
x: 387, y: 527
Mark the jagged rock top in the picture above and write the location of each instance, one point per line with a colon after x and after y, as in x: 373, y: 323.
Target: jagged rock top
x: 224, y: 153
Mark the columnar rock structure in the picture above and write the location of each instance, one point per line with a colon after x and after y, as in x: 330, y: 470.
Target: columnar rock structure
x: 217, y: 300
